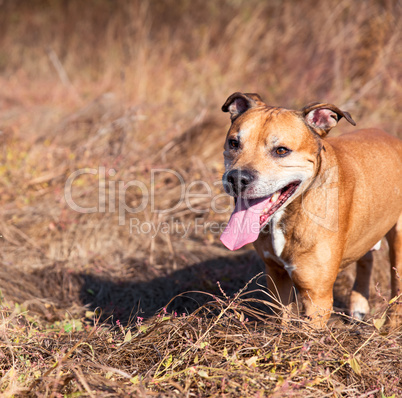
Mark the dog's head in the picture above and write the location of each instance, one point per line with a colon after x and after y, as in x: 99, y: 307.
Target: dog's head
x: 272, y: 154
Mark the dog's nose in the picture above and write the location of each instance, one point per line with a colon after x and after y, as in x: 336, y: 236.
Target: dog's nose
x: 238, y: 180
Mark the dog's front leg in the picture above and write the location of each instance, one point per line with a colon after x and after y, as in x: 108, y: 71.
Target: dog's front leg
x: 315, y: 286
x: 280, y: 286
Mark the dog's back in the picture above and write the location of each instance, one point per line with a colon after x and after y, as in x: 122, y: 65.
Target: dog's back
x: 370, y: 163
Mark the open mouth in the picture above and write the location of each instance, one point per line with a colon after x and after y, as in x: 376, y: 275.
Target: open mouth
x: 276, y: 200
x: 251, y: 215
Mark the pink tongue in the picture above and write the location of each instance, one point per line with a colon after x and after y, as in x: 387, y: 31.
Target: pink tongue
x: 244, y: 223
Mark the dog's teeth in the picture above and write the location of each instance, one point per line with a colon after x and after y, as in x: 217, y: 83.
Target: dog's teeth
x: 275, y: 196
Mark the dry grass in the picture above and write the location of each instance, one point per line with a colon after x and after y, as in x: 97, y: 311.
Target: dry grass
x: 136, y: 86
x: 215, y: 351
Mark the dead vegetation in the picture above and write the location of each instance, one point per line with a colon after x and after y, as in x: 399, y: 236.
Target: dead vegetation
x: 119, y: 89
x: 214, y: 351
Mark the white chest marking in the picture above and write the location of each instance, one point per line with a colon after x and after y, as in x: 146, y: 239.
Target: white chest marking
x: 278, y: 237
x: 278, y: 244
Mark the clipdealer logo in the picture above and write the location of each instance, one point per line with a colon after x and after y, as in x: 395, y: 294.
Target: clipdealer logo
x: 109, y: 189
x: 112, y: 198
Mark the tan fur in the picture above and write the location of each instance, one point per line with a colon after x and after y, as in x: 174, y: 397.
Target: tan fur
x: 352, y: 200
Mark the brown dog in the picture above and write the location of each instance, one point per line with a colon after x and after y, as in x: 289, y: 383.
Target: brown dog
x: 312, y: 205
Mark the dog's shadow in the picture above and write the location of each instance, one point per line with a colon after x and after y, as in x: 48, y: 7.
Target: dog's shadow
x: 193, y: 286
x: 189, y: 288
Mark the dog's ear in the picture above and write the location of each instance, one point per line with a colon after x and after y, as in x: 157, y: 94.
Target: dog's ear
x: 322, y: 117
x: 239, y: 103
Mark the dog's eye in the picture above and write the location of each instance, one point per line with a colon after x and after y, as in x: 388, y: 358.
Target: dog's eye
x: 282, y: 151
x: 234, y: 144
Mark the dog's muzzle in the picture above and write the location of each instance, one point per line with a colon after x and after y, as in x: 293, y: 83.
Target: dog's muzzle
x: 236, y: 181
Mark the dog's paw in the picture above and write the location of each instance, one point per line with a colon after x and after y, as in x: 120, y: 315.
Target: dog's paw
x: 359, y: 306
x: 358, y: 315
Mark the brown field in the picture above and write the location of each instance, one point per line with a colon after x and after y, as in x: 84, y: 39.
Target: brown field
x: 88, y: 304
